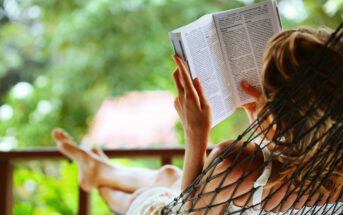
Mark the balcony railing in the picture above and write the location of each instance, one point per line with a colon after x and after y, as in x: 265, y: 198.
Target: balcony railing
x: 8, y: 158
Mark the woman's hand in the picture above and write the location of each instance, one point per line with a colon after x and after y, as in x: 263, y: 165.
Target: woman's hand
x: 191, y: 103
x: 195, y: 114
x: 252, y: 107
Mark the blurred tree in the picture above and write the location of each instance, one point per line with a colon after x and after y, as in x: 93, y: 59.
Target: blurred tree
x: 73, y: 54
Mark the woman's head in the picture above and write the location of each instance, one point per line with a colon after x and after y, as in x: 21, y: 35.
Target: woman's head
x: 288, y: 55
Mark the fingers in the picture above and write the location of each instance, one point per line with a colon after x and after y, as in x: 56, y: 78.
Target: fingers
x: 250, y: 106
x: 177, y: 80
x: 187, y: 82
x: 250, y: 90
x: 201, y: 93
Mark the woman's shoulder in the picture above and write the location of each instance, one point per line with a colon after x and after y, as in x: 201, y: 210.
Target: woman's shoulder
x: 234, y: 147
x: 240, y: 160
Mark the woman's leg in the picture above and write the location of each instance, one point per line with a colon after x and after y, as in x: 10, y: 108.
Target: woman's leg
x: 95, y: 172
x: 118, y: 201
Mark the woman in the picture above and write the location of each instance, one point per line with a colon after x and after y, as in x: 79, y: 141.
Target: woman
x: 143, y: 191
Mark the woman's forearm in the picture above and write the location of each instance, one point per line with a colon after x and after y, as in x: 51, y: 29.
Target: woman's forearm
x: 195, y: 157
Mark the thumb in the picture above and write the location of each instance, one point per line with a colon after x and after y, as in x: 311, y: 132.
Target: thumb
x: 250, y: 106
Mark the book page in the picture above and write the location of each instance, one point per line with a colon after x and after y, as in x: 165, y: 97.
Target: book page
x: 205, y: 60
x: 179, y: 50
x: 243, y: 34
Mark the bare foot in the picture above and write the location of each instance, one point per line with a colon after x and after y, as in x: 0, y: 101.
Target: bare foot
x: 90, y: 165
x: 100, y: 154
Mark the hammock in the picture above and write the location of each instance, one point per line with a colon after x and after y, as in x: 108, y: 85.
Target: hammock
x: 331, y: 145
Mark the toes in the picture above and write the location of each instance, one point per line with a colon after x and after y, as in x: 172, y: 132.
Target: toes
x: 99, y: 153
x: 56, y: 133
x: 59, y: 135
x: 95, y: 151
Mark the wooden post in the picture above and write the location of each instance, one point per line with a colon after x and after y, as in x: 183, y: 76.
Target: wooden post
x: 6, y: 187
x: 167, y: 160
x: 84, y: 203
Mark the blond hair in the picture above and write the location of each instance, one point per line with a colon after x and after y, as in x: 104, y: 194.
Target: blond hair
x: 286, y: 56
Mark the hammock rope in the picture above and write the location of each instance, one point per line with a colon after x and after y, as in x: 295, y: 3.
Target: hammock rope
x: 299, y: 91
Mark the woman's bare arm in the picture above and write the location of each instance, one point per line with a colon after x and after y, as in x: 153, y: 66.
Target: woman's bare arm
x: 195, y: 114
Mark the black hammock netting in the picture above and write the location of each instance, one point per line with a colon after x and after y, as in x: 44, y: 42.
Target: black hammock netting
x: 313, y: 165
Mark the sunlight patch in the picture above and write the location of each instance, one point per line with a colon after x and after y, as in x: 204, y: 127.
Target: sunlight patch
x: 22, y: 90
x: 44, y: 107
x: 293, y: 9
x: 247, y: 2
x: 6, y: 112
x: 7, y: 143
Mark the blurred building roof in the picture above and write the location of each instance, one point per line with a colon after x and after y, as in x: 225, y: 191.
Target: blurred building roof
x: 138, y: 119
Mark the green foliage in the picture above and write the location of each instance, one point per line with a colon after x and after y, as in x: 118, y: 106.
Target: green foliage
x: 229, y: 128
x: 51, y: 187
x: 86, y: 52
x: 42, y: 189
x: 75, y: 54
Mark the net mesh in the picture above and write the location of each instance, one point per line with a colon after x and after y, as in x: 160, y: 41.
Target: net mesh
x: 304, y: 190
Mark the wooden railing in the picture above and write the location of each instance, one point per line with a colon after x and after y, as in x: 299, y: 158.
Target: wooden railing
x: 8, y: 158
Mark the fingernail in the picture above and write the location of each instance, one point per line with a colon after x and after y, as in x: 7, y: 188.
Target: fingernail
x: 245, y: 84
x: 196, y: 81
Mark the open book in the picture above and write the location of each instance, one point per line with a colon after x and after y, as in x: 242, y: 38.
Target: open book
x: 223, y: 49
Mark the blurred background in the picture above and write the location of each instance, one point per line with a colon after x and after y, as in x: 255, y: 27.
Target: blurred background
x: 102, y: 70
